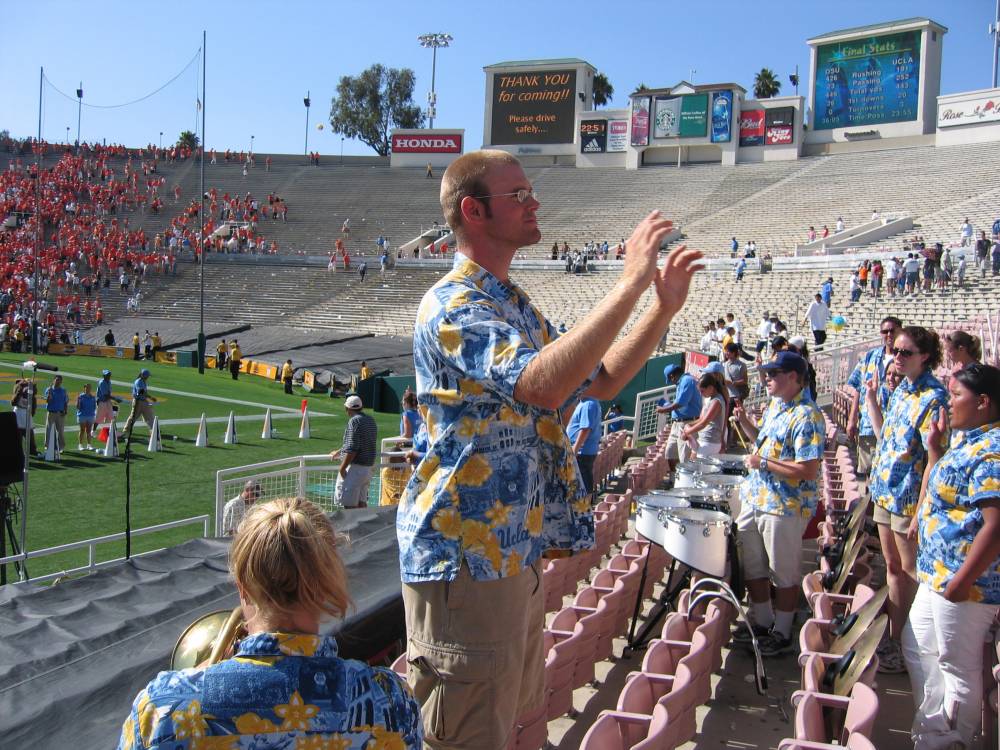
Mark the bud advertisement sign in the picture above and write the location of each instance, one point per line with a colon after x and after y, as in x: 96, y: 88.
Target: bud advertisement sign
x: 778, y: 125
x: 617, y: 135
x: 640, y: 121
x: 722, y: 116
x: 435, y: 143
x: 593, y: 136
x: 534, y: 107
x: 752, y: 127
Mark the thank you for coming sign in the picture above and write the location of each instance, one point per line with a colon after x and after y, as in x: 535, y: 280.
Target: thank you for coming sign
x: 534, y: 107
x: 867, y: 81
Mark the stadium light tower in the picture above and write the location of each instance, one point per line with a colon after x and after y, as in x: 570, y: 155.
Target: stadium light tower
x: 433, y: 41
x: 79, y: 113
x: 994, y: 31
x: 307, y: 102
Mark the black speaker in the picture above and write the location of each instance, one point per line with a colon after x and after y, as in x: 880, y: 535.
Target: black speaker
x: 11, y: 450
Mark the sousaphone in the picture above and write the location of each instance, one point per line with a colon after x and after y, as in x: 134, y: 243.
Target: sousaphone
x: 209, y: 639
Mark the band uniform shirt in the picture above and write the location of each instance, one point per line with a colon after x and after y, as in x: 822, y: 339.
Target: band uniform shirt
x: 872, y: 365
x: 901, y: 454
x: 281, y: 690
x: 360, y: 437
x: 950, y: 516
x: 56, y: 398
x: 586, y: 415
x: 687, y: 399
x: 499, y: 483
x: 787, y: 431
x: 103, y: 390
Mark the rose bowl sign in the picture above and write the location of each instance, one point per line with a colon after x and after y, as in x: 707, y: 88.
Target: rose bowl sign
x: 438, y: 143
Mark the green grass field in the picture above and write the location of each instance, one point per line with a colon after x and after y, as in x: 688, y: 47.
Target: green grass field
x: 83, y: 496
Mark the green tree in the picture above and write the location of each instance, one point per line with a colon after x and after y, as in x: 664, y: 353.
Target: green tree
x: 369, y: 105
x: 766, y: 84
x: 603, y: 90
x: 187, y: 139
x: 640, y: 88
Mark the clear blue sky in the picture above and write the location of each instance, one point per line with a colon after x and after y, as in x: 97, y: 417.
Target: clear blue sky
x: 263, y: 57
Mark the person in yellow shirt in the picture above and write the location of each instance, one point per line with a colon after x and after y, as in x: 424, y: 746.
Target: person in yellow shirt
x: 157, y: 343
x: 221, y: 353
x: 235, y: 355
x: 286, y: 375
x: 135, y: 346
x: 366, y: 371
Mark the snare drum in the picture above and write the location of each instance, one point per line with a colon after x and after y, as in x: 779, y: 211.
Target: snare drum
x: 698, y: 538
x: 690, y: 472
x: 728, y: 487
x: 732, y: 463
x: 650, y: 510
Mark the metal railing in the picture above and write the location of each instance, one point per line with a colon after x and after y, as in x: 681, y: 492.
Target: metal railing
x: 91, y: 546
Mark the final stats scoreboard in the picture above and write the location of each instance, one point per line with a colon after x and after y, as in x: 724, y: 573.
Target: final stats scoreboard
x: 867, y: 81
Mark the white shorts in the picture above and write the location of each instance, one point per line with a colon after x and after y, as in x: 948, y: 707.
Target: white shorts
x: 771, y: 546
x: 352, y: 491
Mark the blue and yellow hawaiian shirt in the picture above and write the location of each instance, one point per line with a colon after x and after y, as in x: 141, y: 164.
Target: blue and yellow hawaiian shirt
x: 950, y: 516
x: 499, y: 483
x: 787, y: 431
x: 281, y: 690
x: 901, y: 454
x: 872, y: 365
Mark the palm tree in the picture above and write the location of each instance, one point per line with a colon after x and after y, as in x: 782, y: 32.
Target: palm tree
x: 603, y: 90
x: 766, y: 84
x: 640, y: 88
x: 187, y: 139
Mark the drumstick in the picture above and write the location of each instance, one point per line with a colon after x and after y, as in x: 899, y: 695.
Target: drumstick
x: 739, y: 433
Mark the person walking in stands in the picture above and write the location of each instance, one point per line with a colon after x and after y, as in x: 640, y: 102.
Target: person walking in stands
x: 827, y: 291
x: 86, y: 413
x: 817, y: 316
x: 221, y: 353
x: 584, y: 432
x: 900, y: 469
x: 287, y: 371
x: 499, y: 485
x: 872, y: 366
x: 140, y: 403
x: 686, y: 407
x: 136, y: 351
x: 357, y: 455
x: 362, y: 270
x: 56, y: 404
x: 958, y: 565
x: 430, y: 171
x: 982, y: 253
x: 235, y: 357
x: 779, y: 496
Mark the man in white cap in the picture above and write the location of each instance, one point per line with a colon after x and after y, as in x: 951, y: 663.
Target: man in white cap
x: 357, y: 455
x: 239, y: 506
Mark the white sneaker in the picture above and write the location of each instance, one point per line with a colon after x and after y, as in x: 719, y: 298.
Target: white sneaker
x: 80, y: 447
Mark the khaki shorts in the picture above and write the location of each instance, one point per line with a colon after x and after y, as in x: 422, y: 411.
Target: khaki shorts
x: 866, y: 453
x: 771, y: 546
x: 475, y: 653
x: 899, y: 524
x: 676, y: 449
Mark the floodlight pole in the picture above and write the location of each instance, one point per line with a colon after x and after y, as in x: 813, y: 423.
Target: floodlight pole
x: 433, y: 41
x: 38, y: 218
x: 201, y: 221
x: 79, y: 114
x: 307, y: 101
x: 995, y: 33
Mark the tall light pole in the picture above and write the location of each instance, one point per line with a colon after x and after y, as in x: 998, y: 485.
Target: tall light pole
x: 341, y: 150
x: 79, y: 113
x: 994, y: 31
x: 433, y: 41
x: 161, y: 140
x: 251, y: 145
x: 67, y: 135
x: 307, y: 102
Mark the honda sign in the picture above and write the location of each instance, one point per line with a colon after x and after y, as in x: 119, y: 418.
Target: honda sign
x: 438, y: 143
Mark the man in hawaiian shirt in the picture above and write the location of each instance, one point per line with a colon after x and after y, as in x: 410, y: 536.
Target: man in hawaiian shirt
x: 872, y: 365
x: 779, y: 497
x: 499, y: 486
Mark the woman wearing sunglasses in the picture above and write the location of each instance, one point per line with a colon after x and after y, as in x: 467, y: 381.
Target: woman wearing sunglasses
x: 899, y: 470
x: 958, y: 564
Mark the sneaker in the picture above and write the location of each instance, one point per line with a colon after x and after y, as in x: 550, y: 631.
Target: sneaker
x: 742, y: 633
x: 80, y: 447
x: 775, y: 644
x: 890, y: 657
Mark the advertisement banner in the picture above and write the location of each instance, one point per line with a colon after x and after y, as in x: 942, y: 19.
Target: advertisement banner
x: 667, y: 122
x: 438, y: 143
x: 969, y: 113
x: 694, y: 116
x: 779, y: 125
x: 593, y: 136
x: 640, y: 121
x: 534, y: 107
x: 722, y: 116
x: 617, y: 135
x: 752, y: 127
x: 867, y: 81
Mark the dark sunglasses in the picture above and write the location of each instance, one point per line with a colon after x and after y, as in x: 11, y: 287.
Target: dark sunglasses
x: 888, y: 331
x: 769, y: 374
x: 903, y: 352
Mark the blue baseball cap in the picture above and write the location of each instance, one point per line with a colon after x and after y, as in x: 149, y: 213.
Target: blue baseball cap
x: 786, y: 361
x: 713, y: 367
x: 669, y: 370
x: 105, y: 373
x: 144, y: 373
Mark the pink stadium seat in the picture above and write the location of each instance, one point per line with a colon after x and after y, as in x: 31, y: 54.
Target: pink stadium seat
x: 566, y: 622
x: 554, y: 583
x: 560, y: 664
x: 861, y: 710
x: 399, y: 666
x: 675, y: 693
x: 530, y: 731
x: 611, y: 729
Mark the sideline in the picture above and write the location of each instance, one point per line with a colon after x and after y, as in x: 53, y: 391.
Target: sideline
x: 154, y: 390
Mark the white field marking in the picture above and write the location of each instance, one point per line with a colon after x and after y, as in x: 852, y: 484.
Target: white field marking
x: 154, y: 390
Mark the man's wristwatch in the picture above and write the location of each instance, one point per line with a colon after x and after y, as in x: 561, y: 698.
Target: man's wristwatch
x: 763, y: 464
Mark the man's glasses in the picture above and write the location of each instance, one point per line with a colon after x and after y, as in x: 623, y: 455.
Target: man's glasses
x: 903, y: 352
x: 888, y: 331
x: 771, y: 374
x: 521, y: 196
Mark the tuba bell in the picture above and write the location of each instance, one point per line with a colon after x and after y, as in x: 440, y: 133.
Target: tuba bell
x: 209, y: 639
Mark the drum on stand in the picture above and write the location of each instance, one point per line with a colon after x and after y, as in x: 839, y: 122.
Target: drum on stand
x: 650, y: 513
x: 698, y: 538
x: 727, y: 486
x: 690, y: 473
x: 732, y: 463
